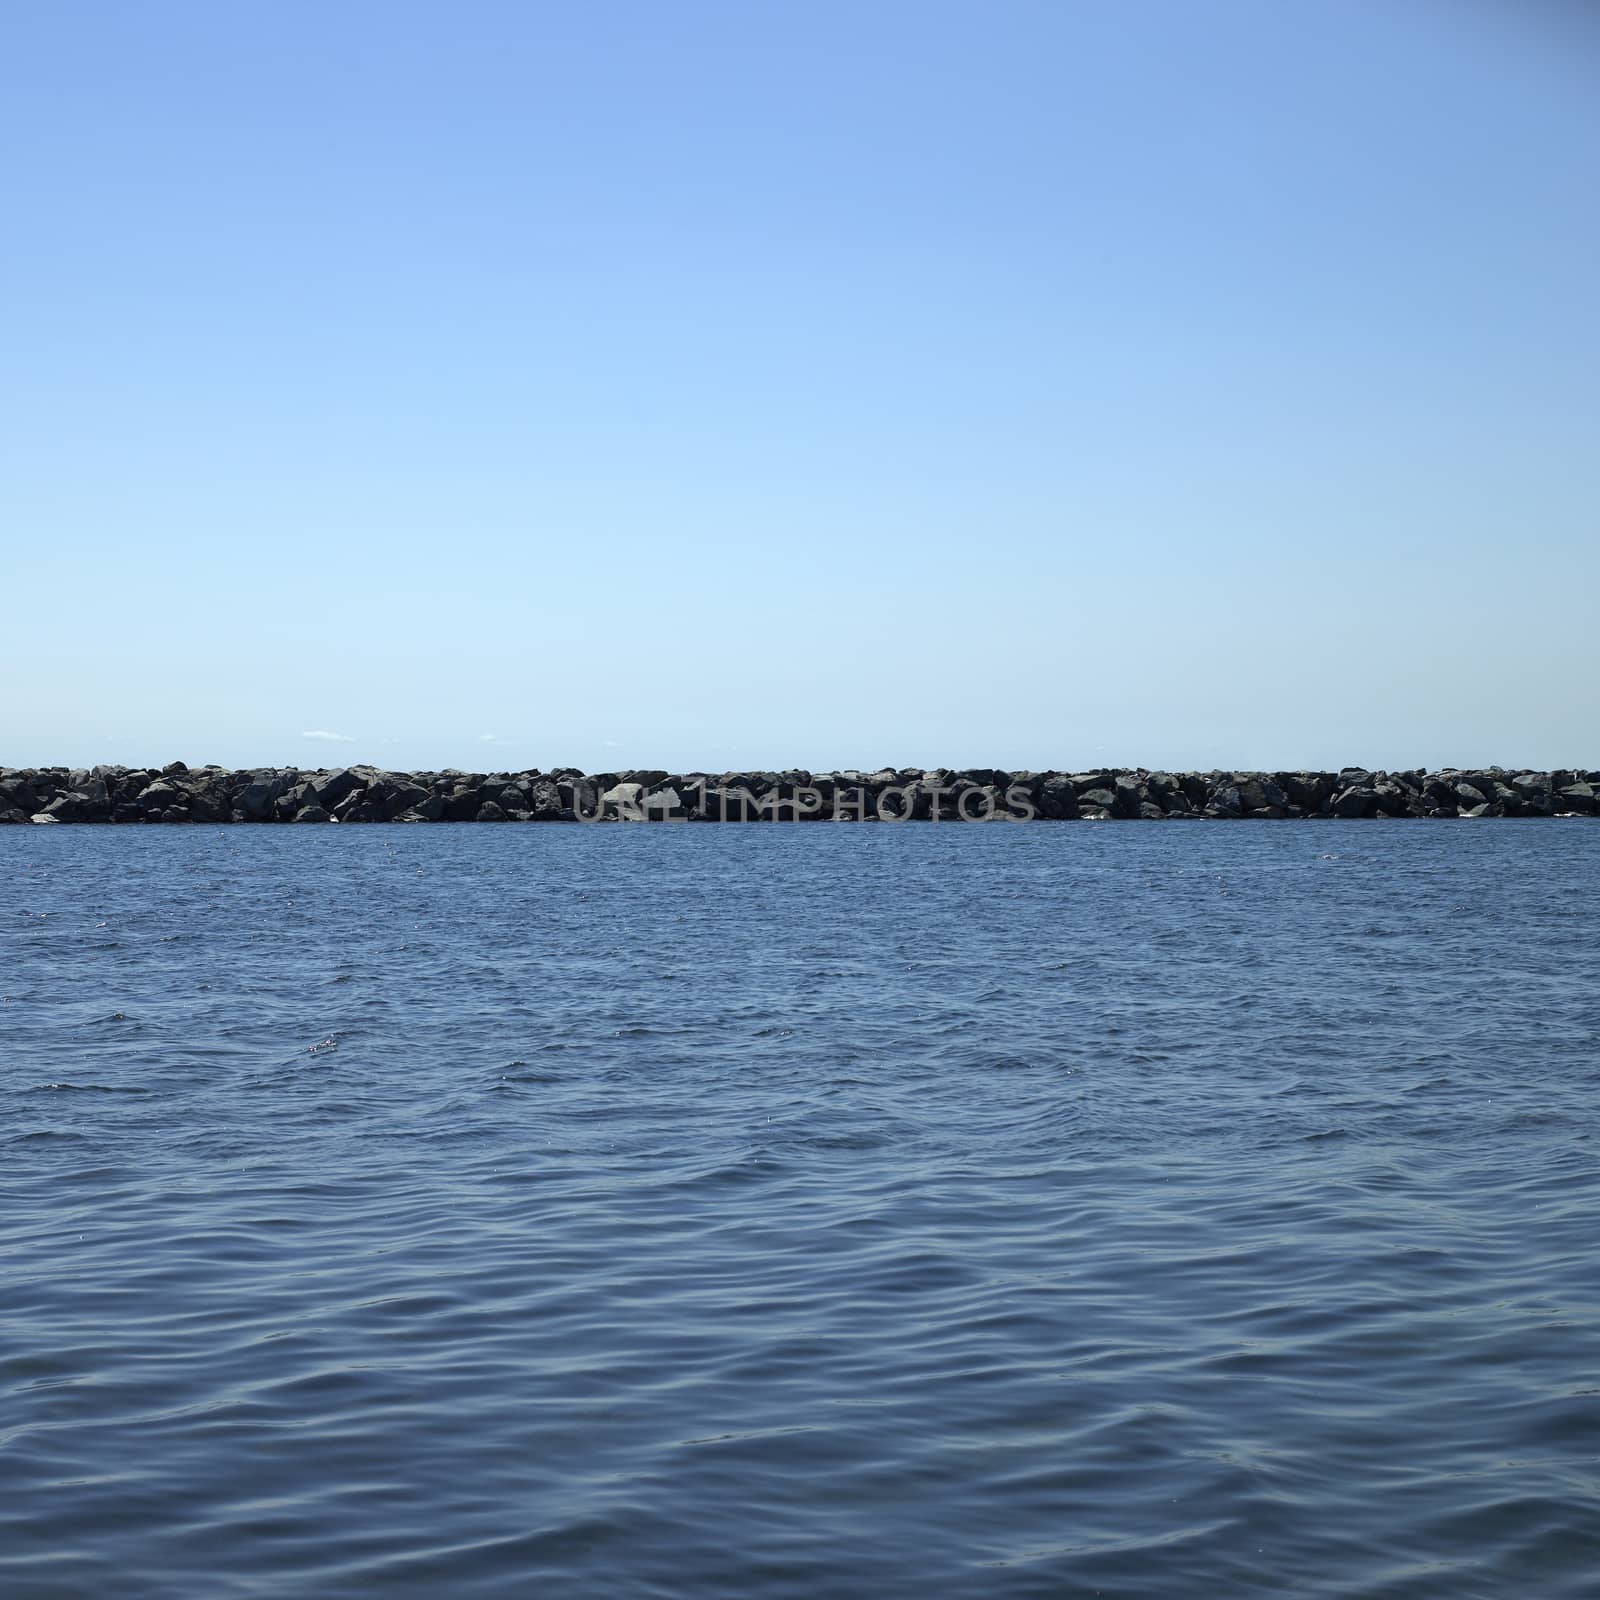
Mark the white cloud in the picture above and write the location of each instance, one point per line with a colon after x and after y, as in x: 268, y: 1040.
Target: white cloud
x: 333, y: 738
x: 487, y: 738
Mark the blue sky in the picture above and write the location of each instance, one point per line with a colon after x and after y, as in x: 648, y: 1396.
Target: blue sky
x: 717, y: 385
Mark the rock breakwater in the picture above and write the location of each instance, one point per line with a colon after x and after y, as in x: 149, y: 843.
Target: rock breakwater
x: 176, y: 793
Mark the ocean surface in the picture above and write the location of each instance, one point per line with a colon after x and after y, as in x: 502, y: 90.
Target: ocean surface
x: 800, y: 1211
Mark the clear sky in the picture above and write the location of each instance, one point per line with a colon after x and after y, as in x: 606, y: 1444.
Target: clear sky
x: 709, y: 385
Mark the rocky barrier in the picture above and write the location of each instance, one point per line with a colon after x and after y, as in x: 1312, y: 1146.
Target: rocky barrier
x: 177, y: 793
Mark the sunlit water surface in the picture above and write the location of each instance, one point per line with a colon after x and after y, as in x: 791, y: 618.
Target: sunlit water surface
x: 801, y: 1212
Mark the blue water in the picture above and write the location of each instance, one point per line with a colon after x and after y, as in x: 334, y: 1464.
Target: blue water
x: 804, y: 1212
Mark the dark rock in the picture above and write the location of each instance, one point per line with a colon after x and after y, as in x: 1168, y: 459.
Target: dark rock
x: 1056, y: 798
x: 544, y: 801
x: 208, y: 806
x: 210, y: 794
x: 300, y: 797
x: 463, y: 805
x: 1131, y: 795
x: 580, y: 797
x: 161, y: 796
x: 333, y: 788
x: 1258, y: 792
x: 395, y: 795
x: 360, y: 805
x: 19, y: 793
x: 730, y: 803
x: 1390, y: 798
x: 258, y: 797
x: 974, y: 802
x: 68, y: 807
x: 1225, y: 801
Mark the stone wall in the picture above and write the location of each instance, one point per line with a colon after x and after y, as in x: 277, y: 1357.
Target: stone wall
x: 176, y: 793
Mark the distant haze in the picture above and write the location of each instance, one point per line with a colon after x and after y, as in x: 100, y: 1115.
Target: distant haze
x: 716, y: 386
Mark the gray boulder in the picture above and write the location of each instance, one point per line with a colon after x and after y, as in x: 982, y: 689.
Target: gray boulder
x: 1579, y: 797
x: 544, y: 801
x: 259, y: 797
x: 1226, y: 801
x: 1057, y: 799
x: 335, y: 786
x: 1257, y: 792
x: 1355, y: 801
x: 398, y: 794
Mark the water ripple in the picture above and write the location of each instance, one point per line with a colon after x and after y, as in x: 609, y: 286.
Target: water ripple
x: 790, y: 1212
